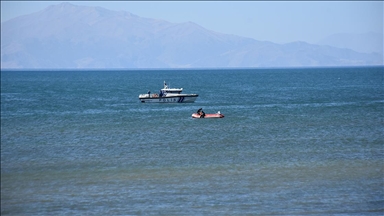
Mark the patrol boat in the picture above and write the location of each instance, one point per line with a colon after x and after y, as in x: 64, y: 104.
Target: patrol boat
x: 168, y: 95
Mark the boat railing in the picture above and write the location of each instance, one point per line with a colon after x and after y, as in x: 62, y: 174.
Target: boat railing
x: 149, y: 95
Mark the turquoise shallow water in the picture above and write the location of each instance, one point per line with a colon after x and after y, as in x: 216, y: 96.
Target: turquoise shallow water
x: 293, y: 141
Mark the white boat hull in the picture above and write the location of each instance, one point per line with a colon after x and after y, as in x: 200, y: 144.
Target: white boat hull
x: 170, y: 99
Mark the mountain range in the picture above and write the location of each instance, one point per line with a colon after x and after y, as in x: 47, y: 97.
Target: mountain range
x: 366, y: 42
x: 67, y: 36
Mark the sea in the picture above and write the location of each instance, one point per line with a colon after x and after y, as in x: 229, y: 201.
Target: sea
x: 294, y: 141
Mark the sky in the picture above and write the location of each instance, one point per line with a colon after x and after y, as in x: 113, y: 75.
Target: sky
x: 275, y: 21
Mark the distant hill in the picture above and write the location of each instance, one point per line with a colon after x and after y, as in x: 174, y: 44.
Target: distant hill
x: 365, y: 43
x: 67, y: 36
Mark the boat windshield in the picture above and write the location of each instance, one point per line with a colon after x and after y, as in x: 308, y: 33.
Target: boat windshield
x: 173, y: 91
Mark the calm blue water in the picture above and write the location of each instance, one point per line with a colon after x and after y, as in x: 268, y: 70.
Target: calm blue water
x: 293, y: 142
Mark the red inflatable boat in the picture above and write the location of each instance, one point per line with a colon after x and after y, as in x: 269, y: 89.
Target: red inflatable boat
x: 214, y: 115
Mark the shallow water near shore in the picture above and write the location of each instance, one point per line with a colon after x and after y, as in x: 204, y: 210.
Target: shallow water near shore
x: 292, y: 142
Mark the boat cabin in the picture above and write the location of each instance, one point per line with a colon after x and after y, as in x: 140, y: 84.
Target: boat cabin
x: 168, y: 91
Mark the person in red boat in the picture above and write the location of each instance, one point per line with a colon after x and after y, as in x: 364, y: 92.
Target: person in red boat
x: 201, y: 113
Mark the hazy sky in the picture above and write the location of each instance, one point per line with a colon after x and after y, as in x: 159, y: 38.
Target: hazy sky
x: 279, y: 22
